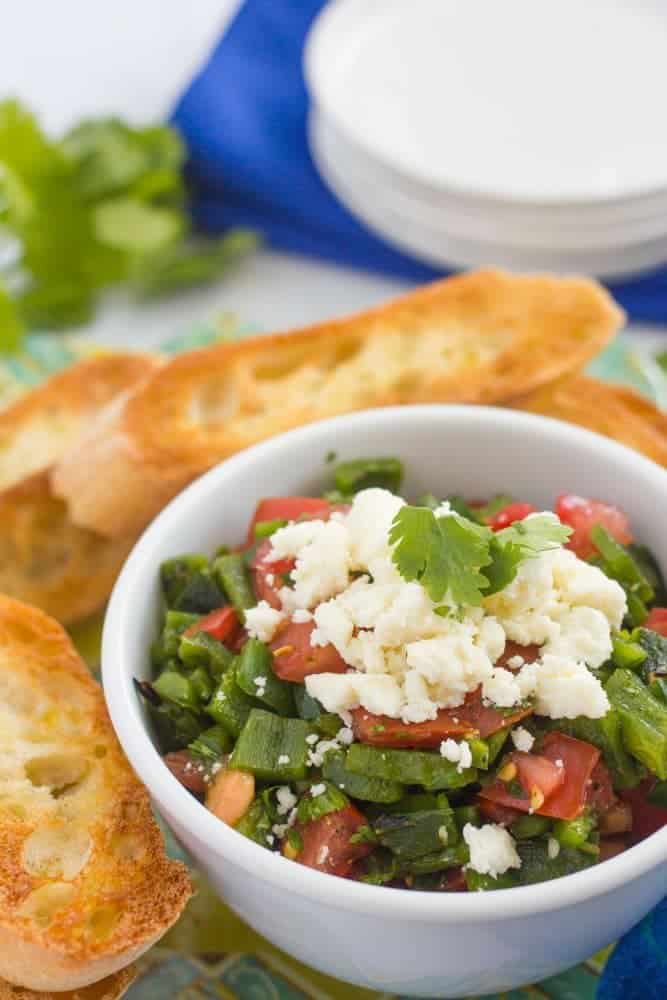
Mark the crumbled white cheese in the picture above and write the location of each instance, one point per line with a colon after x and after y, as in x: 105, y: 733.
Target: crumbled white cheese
x: 566, y: 688
x: 270, y: 839
x: 283, y: 759
x: 319, y: 789
x: 315, y: 757
x: 522, y: 739
x: 492, y: 849
x: 345, y: 736
x: 312, y: 738
x: 301, y: 615
x: 262, y: 621
x: 458, y: 753
x: 322, y: 854
x: 407, y: 662
x: 286, y: 800
x: 501, y: 688
x: 553, y: 848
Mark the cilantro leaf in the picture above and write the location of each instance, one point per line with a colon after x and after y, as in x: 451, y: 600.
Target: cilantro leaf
x: 444, y: 554
x: 534, y: 534
x: 465, y: 561
x: 661, y: 359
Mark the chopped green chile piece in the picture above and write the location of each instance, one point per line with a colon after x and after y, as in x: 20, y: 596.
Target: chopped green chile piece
x: 527, y: 826
x: 658, y: 689
x: 175, y: 727
x: 203, y: 650
x: 307, y: 707
x: 313, y: 807
x: 264, y: 529
x: 606, y: 735
x: 256, y: 823
x: 230, y: 705
x: 644, y: 720
x: 380, y: 867
x: 467, y: 814
x: 494, y: 506
x: 654, y: 647
x: 212, y: 744
x: 177, y: 688
x: 408, y: 767
x: 619, y: 564
x: 487, y: 883
x: 175, y: 624
x: 448, y: 857
x: 417, y: 802
x: 495, y: 742
x: 187, y: 585
x: 479, y: 750
x: 460, y: 506
x: 272, y: 748
x: 626, y: 653
x: 413, y: 834
x: 202, y: 683
x: 537, y: 866
x: 658, y: 794
x: 428, y: 500
x: 231, y: 574
x: 574, y: 832
x: 637, y: 610
x: 364, y: 473
x: 327, y: 724
x: 650, y: 569
x: 358, y: 786
x: 255, y: 676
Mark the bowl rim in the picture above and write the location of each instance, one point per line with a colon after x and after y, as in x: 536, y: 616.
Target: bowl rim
x: 227, y: 843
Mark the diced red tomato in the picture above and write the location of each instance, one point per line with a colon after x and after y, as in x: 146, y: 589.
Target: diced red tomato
x: 582, y: 513
x: 646, y: 817
x: 600, y: 794
x: 528, y: 653
x: 222, y: 624
x: 326, y: 842
x: 294, y: 658
x: 268, y: 576
x: 288, y: 509
x: 563, y: 799
x: 471, y: 718
x: 657, y: 620
x: 496, y: 813
x: 515, y: 511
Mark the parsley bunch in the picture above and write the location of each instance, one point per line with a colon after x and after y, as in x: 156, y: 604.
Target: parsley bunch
x: 456, y: 557
x: 102, y: 206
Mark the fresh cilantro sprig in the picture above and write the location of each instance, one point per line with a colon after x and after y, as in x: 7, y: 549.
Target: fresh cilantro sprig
x: 454, y: 557
x: 103, y: 205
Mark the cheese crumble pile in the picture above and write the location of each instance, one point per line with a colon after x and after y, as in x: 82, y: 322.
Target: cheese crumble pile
x: 407, y: 661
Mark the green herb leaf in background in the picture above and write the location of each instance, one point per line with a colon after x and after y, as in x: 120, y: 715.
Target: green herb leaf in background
x: 104, y: 205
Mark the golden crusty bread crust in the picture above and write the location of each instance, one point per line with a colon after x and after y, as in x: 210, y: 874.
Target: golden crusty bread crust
x: 613, y: 410
x: 47, y: 561
x: 111, y: 988
x: 38, y: 427
x: 483, y: 337
x: 85, y: 885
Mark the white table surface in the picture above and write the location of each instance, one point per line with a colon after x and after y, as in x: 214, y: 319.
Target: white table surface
x: 72, y: 58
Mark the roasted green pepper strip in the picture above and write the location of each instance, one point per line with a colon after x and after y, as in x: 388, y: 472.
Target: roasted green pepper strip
x: 187, y: 585
x: 230, y: 705
x: 537, y: 866
x: 212, y: 744
x: 178, y: 689
x: 231, y: 575
x: 411, y: 835
x: 526, y: 827
x: 364, y: 473
x: 644, y: 720
x: 255, y: 676
x: 359, y: 786
x: 408, y: 767
x: 272, y: 748
x: 203, y: 650
x: 264, y: 529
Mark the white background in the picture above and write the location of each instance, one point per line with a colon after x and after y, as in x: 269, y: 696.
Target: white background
x: 69, y: 58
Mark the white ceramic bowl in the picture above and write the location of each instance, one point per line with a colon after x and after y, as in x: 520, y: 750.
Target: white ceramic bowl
x: 415, y: 943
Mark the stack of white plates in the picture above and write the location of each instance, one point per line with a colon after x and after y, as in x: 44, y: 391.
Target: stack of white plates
x: 524, y: 133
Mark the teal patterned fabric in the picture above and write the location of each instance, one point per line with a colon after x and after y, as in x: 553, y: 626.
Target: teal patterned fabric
x: 211, y: 953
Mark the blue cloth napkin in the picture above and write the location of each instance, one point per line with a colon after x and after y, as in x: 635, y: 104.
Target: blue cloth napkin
x: 243, y: 118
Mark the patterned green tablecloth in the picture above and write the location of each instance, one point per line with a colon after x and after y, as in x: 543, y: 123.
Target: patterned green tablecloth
x: 211, y: 954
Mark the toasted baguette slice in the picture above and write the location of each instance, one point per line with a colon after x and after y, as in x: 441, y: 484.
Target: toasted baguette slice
x: 38, y: 427
x: 111, y: 988
x: 613, y: 410
x: 85, y: 885
x: 47, y: 561
x: 483, y: 337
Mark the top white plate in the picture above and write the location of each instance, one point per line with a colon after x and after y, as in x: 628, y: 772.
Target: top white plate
x: 528, y: 100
